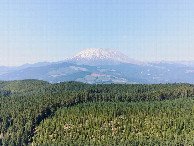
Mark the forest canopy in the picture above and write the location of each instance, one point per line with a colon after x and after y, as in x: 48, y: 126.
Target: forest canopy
x: 34, y: 112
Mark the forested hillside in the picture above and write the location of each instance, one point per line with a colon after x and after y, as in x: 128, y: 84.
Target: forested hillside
x: 137, y: 123
x: 27, y: 108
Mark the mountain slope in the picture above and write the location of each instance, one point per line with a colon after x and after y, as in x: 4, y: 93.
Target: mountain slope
x: 67, y: 72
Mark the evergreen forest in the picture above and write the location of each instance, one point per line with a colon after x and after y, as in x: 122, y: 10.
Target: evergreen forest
x: 34, y: 112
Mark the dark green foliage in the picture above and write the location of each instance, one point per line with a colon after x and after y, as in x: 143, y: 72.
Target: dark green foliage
x: 24, y: 104
x: 139, y: 123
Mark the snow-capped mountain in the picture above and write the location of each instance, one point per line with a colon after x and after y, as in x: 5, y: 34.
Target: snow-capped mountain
x: 98, y: 56
x: 102, y: 66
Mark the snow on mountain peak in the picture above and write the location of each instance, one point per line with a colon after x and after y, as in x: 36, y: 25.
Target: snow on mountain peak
x: 101, y: 55
x: 98, y: 53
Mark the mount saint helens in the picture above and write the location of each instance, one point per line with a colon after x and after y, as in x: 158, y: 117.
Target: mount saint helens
x: 98, y: 56
x: 102, y: 66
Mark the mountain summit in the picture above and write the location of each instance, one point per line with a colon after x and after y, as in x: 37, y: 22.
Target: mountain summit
x: 98, y: 56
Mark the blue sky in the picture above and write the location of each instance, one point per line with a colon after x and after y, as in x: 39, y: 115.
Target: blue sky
x: 52, y: 30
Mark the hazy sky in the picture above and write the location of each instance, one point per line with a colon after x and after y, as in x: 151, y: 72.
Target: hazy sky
x: 52, y: 30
